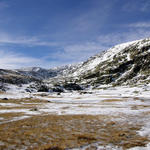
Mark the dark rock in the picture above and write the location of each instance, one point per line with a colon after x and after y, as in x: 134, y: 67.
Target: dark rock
x: 43, y: 94
x: 34, y: 109
x: 43, y: 88
x: 54, y: 148
x: 2, y: 87
x: 57, y: 90
x: 84, y: 92
x: 49, y: 101
x: 4, y: 98
x: 28, y: 90
x: 73, y: 86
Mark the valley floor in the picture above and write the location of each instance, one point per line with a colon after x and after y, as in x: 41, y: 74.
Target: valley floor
x: 104, y: 119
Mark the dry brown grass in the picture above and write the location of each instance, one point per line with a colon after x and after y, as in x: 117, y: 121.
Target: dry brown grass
x: 1, y: 92
x: 23, y: 100
x: 60, y: 132
x: 11, y: 115
x: 66, y: 107
x: 48, y: 96
x: 136, y: 107
x: 17, y: 107
x: 22, y: 104
x: 78, y: 98
x: 113, y: 100
x: 33, y: 100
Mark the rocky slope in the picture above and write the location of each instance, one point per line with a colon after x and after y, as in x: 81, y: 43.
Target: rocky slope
x: 38, y: 72
x: 41, y: 73
x: 127, y: 63
x: 37, y: 78
x: 14, y: 77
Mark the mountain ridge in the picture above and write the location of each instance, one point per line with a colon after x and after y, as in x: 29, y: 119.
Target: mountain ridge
x: 116, y: 61
x: 123, y: 64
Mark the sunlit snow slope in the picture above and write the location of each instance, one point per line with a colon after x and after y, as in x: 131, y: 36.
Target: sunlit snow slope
x: 126, y: 63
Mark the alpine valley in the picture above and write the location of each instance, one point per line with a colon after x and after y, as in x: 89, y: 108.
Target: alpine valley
x: 100, y: 104
x: 124, y: 64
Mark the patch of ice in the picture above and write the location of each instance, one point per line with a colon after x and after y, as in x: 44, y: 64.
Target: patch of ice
x: 15, y: 95
x: 98, y: 107
x: 26, y: 111
x: 9, y: 104
x: 145, y: 131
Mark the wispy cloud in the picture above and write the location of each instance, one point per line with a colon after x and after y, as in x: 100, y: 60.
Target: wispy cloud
x: 68, y: 53
x: 11, y: 60
x: 80, y: 52
x: 75, y: 53
x: 117, y: 38
x: 24, y: 40
x: 139, y: 25
x: 139, y: 6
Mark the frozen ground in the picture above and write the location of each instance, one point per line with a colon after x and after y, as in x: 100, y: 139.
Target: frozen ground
x: 123, y: 104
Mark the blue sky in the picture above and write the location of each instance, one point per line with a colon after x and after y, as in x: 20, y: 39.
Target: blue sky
x: 49, y: 33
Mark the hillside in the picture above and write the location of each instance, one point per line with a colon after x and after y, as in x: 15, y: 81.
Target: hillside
x: 41, y: 73
x: 83, y: 106
x: 124, y: 64
x: 14, y: 77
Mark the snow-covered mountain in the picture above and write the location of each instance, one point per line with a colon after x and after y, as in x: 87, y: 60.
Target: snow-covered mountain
x: 41, y: 73
x: 123, y: 64
x: 127, y: 63
x: 14, y: 77
x: 37, y: 72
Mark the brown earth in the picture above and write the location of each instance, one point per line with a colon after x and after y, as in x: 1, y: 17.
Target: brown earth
x: 53, y: 132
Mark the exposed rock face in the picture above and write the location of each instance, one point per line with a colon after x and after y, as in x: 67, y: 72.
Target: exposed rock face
x: 13, y: 77
x: 38, y: 72
x: 43, y: 88
x: 127, y: 63
x: 41, y: 73
x: 72, y: 86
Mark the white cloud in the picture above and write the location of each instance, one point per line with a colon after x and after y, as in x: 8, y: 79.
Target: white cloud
x: 139, y: 25
x: 77, y: 52
x: 80, y: 52
x: 70, y: 53
x: 24, y: 40
x: 85, y: 47
x: 11, y: 60
x: 117, y: 38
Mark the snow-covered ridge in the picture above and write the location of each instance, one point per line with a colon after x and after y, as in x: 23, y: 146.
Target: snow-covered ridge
x: 30, y: 69
x: 42, y: 73
x: 79, y: 68
x: 109, y: 54
x: 117, y: 65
